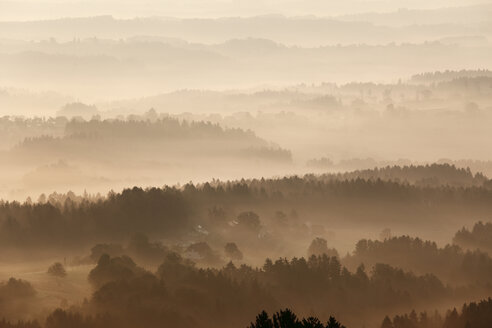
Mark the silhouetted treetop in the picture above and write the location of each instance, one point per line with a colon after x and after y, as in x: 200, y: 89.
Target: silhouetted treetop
x: 288, y: 319
x: 479, y: 237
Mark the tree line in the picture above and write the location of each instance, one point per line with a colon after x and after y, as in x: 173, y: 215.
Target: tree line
x: 67, y: 219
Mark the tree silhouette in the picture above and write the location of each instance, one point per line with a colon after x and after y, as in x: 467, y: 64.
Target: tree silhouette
x: 233, y: 252
x: 319, y: 246
x: 57, y: 270
x: 262, y: 321
x: 288, y: 319
x: 333, y: 323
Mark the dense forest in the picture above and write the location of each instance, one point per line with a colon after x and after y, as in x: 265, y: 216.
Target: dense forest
x: 165, y: 134
x: 180, y: 294
x: 450, y: 263
x: 68, y: 220
x: 479, y: 237
x: 475, y: 314
x: 173, y: 255
x: 433, y: 175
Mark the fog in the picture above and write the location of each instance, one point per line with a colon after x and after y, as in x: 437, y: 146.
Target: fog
x: 42, y: 9
x: 261, y: 164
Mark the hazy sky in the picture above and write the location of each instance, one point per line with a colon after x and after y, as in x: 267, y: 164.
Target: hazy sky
x: 49, y: 9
